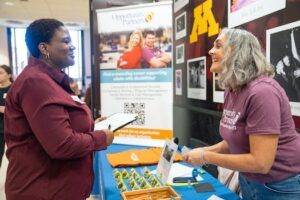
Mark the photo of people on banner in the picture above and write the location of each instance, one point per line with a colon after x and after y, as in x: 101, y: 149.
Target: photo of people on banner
x: 144, y: 49
x: 136, y: 75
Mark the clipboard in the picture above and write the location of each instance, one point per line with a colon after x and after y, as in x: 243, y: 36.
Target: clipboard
x: 116, y: 121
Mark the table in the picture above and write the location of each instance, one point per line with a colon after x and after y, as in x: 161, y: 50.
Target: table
x: 104, y: 184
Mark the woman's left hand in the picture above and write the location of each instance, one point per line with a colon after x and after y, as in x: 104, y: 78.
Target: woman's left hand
x: 123, y: 63
x: 195, y: 157
x: 297, y: 73
x: 2, y: 108
x: 100, y: 119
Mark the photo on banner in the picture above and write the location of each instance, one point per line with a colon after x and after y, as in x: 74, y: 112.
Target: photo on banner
x: 242, y: 11
x: 283, y: 52
x: 196, y: 78
x: 136, y: 67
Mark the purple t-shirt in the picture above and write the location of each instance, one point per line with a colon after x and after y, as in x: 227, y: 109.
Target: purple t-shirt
x: 148, y: 54
x: 262, y: 107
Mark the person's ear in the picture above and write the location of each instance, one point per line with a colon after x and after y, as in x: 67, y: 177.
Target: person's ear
x: 9, y: 76
x: 43, y: 47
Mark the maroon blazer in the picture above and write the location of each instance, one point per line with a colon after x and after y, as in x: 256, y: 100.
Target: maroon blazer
x: 50, y: 138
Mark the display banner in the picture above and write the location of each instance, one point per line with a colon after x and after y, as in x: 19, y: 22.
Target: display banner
x: 136, y: 68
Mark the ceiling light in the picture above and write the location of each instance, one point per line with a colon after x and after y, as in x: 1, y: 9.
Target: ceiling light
x: 16, y: 22
x: 8, y: 3
x: 72, y: 24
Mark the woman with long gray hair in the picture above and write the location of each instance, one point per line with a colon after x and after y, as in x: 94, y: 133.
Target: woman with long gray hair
x: 258, y: 131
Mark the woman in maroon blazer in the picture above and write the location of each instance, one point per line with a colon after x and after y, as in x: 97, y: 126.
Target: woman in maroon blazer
x: 48, y: 130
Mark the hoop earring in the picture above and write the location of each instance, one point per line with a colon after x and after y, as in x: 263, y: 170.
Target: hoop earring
x: 47, y: 56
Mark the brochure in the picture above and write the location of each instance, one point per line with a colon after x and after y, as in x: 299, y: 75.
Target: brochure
x: 116, y: 121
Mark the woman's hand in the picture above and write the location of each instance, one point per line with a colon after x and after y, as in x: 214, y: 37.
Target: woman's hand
x: 122, y: 63
x: 2, y: 108
x: 297, y: 73
x: 279, y: 68
x: 109, y: 136
x: 100, y: 119
x: 195, y: 157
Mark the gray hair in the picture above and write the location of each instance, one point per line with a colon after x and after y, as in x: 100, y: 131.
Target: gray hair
x: 243, y: 59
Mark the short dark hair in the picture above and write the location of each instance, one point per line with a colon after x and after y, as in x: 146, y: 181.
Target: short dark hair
x: 41, y: 30
x: 149, y: 32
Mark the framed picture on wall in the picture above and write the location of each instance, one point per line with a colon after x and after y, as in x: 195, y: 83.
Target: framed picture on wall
x: 283, y: 52
x: 178, y: 82
x: 178, y: 4
x: 180, y: 26
x: 196, y: 78
x: 180, y: 53
x: 218, y: 93
x: 240, y: 12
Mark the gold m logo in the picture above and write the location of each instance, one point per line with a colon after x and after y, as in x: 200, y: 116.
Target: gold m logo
x: 204, y: 21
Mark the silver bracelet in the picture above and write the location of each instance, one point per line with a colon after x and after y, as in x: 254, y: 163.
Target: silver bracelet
x: 202, y: 158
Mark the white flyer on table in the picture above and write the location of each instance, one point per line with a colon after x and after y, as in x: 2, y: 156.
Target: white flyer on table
x: 166, y: 160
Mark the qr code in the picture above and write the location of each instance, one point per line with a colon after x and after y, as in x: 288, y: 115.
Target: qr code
x: 136, y: 108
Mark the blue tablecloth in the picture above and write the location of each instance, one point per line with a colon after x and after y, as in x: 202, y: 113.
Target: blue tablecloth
x: 105, y: 186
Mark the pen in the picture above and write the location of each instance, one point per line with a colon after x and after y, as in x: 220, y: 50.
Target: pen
x: 109, y: 126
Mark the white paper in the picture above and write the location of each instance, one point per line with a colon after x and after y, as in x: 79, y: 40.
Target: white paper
x: 139, y: 141
x: 115, y: 121
x: 184, y: 150
x: 214, y: 197
x: 179, y: 170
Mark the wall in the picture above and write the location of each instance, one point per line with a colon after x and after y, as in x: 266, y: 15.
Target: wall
x: 87, y: 56
x: 196, y: 120
x: 4, y: 59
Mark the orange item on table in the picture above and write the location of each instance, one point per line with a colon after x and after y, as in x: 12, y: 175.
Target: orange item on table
x: 137, y: 157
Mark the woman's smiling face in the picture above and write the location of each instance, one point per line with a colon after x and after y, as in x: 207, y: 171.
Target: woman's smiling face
x: 136, y: 40
x: 217, y: 54
x: 61, y: 49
